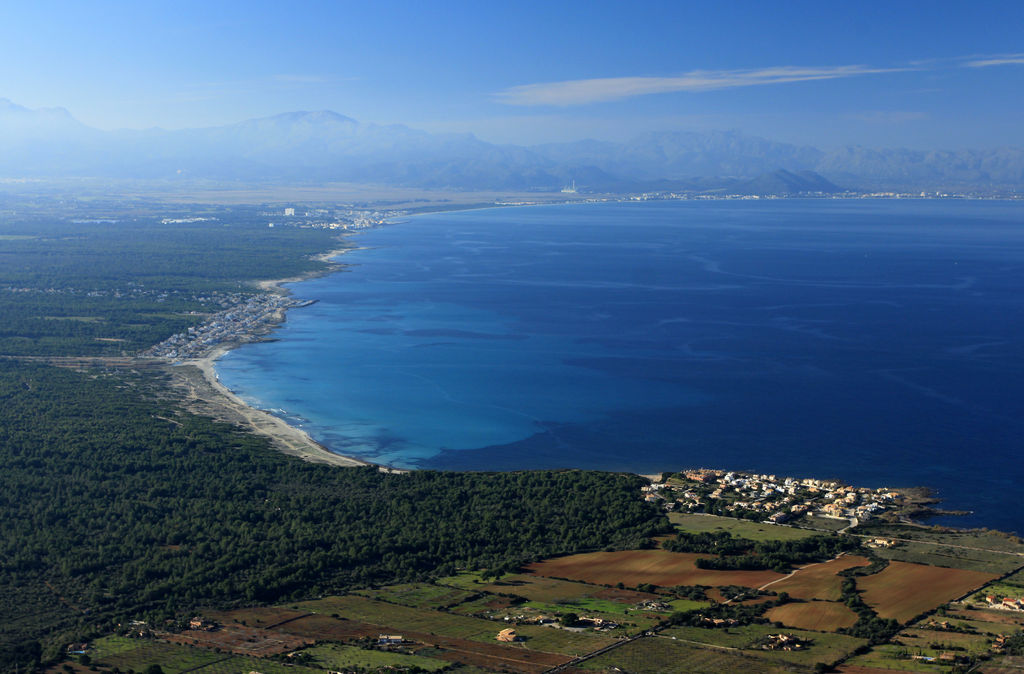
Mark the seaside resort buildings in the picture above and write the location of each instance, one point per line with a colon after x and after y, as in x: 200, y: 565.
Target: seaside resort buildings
x: 766, y: 497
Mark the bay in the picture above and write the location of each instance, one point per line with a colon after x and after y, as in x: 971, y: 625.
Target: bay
x: 877, y: 342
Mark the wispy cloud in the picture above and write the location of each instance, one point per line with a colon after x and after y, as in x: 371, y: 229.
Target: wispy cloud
x: 299, y: 79
x: 577, y: 92
x: 888, y: 116
x: 997, y: 60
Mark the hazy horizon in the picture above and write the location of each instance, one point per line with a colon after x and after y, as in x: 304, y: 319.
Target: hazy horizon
x: 916, y: 75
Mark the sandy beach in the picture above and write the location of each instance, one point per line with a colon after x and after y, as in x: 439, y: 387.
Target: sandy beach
x: 196, y: 379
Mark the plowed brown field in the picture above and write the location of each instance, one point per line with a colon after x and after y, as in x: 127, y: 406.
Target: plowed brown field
x: 819, y: 581
x: 636, y: 567
x: 903, y: 590
x: 822, y: 616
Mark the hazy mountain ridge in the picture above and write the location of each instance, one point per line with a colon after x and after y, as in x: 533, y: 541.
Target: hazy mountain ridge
x: 326, y: 146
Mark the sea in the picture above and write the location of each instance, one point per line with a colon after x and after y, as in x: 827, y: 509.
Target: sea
x: 878, y: 342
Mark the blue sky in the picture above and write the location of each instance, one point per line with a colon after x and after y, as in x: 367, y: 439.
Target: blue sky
x: 896, y: 73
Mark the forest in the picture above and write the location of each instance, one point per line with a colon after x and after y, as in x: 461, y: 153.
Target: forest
x: 115, y: 285
x: 116, y: 504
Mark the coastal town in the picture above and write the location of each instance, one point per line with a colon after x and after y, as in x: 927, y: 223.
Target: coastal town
x: 246, y: 321
x: 343, y: 217
x: 769, y: 498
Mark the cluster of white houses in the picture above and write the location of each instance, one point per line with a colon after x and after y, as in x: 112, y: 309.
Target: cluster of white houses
x: 338, y: 218
x: 780, y: 499
x: 242, y: 322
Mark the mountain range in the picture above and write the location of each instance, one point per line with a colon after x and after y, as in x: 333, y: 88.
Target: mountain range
x: 308, y: 147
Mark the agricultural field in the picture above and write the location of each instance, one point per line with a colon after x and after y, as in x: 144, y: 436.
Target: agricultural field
x: 138, y: 654
x: 903, y: 590
x: 920, y: 641
x: 972, y: 550
x: 534, y: 588
x: 258, y: 617
x: 984, y: 539
x: 240, y: 665
x: 1012, y: 586
x: 403, y: 618
x: 454, y: 622
x: 824, y: 647
x: 888, y: 657
x: 661, y: 655
x: 755, y: 531
x: 822, y: 616
x: 637, y: 567
x: 1007, y: 619
x: 631, y: 620
x: 241, y: 640
x: 819, y: 581
x: 420, y: 595
x: 430, y: 624
x: 492, y: 606
x: 327, y: 628
x: 923, y: 552
x: 487, y: 656
x: 563, y: 642
x: 539, y: 652
x: 337, y: 657
x: 926, y: 639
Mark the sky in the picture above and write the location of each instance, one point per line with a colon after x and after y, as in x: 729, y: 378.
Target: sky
x: 923, y: 75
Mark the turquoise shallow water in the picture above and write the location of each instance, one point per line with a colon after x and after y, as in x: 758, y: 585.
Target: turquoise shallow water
x: 874, y: 341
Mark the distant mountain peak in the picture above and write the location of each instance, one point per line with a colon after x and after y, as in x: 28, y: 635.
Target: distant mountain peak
x: 319, y: 116
x: 323, y: 145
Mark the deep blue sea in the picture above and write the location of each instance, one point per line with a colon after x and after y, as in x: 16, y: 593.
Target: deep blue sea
x: 878, y: 342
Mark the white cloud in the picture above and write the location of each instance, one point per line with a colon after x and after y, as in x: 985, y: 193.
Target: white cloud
x: 997, y: 60
x: 577, y: 92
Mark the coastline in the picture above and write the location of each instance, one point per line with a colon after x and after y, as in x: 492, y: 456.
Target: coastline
x: 197, y: 379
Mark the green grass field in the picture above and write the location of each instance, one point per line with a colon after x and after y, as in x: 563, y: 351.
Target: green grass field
x: 757, y: 531
x: 688, y: 604
x: 336, y: 657
x: 891, y: 656
x: 112, y: 645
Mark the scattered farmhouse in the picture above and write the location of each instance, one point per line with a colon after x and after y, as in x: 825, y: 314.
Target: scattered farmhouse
x: 508, y: 635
